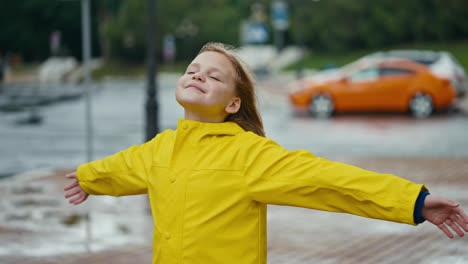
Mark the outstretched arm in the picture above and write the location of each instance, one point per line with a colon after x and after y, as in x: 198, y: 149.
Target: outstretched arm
x: 73, y: 192
x: 446, y: 215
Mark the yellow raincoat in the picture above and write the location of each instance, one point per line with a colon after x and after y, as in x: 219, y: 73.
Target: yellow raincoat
x: 209, y: 184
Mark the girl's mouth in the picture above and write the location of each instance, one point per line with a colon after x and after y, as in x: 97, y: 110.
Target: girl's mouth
x: 192, y: 86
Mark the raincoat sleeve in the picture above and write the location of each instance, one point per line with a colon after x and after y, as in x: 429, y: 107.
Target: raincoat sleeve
x: 275, y: 175
x: 123, y: 173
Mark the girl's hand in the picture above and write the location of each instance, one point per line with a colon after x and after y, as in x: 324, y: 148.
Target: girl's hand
x: 73, y: 191
x: 446, y: 215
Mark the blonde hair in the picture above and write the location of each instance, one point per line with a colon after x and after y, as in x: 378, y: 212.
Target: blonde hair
x: 248, y: 116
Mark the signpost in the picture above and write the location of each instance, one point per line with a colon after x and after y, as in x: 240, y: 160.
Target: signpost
x: 254, y: 33
x: 280, y: 21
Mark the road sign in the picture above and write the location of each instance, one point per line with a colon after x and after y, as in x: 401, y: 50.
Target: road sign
x: 257, y: 33
x: 279, y: 15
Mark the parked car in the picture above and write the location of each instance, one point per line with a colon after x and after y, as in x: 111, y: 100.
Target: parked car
x: 441, y: 63
x: 395, y: 85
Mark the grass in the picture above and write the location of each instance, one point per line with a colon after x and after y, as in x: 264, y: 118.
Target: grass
x: 458, y: 49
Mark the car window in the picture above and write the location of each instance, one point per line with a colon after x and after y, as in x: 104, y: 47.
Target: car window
x: 364, y: 75
x: 394, y: 71
x: 425, y: 61
x: 426, y: 58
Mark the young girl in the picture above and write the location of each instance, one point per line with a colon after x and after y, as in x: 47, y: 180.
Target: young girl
x: 209, y: 181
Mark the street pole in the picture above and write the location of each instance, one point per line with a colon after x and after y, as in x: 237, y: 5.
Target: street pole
x: 279, y: 39
x: 300, y: 37
x: 34, y: 118
x: 86, y: 42
x: 87, y: 76
x: 152, y: 120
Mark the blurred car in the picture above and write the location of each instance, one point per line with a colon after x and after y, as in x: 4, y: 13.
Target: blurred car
x: 441, y: 63
x: 395, y: 85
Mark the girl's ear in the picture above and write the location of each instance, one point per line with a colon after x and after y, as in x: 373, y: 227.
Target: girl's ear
x: 233, y: 106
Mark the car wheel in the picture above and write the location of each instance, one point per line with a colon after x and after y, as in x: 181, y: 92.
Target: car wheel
x: 421, y: 105
x: 321, y: 106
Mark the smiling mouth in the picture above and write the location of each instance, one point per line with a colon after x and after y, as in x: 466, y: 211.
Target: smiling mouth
x: 195, y: 87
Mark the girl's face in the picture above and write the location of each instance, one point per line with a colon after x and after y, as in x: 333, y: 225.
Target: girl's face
x: 207, y: 89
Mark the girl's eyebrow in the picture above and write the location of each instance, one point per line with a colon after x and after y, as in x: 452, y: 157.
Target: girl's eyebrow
x: 211, y: 69
x: 214, y: 69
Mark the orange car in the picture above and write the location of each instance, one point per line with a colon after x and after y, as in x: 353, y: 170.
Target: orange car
x: 394, y: 85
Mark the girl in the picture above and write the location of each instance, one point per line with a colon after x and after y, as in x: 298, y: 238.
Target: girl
x: 209, y: 181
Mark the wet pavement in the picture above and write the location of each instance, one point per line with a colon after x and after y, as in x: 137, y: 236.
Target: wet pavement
x: 38, y: 226
x: 37, y: 221
x: 50, y: 231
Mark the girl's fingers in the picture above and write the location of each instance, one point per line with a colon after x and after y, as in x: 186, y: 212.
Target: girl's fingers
x: 462, y: 214
x: 459, y: 221
x: 454, y: 227
x: 79, y: 199
x: 71, y: 175
x: 74, y: 199
x: 72, y: 192
x: 71, y: 185
x: 445, y: 230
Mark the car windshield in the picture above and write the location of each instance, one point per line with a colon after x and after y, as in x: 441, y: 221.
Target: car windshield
x: 422, y: 57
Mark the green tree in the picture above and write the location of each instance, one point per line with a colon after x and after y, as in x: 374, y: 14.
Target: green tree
x: 26, y: 27
x: 193, y: 23
x: 340, y: 25
x: 119, y: 26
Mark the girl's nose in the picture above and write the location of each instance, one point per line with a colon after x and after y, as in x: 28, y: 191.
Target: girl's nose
x: 197, y: 76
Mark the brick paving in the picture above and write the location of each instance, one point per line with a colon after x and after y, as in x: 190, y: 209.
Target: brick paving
x: 297, y: 235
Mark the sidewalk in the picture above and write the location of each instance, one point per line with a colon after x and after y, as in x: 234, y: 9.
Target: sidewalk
x: 295, y: 235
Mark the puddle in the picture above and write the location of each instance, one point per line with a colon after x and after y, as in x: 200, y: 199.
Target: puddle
x: 448, y: 259
x: 35, y: 220
x: 28, y: 189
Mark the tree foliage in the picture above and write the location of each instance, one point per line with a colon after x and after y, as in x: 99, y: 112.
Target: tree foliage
x: 119, y: 26
x: 191, y: 22
x: 341, y: 25
x: 26, y: 26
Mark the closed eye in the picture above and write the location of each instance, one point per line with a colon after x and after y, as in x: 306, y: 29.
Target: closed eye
x: 214, y: 78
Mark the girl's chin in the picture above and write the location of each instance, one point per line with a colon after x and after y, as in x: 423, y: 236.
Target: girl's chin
x: 189, y: 95
x: 188, y: 102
